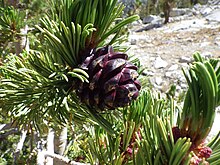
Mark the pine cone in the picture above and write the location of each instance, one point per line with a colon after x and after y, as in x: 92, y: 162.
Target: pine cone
x: 112, y: 79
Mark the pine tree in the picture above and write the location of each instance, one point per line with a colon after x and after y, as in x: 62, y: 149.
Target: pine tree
x: 77, y: 75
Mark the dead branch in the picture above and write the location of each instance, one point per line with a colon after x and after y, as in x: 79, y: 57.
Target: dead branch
x: 10, y: 132
x: 62, y: 158
x: 7, y: 126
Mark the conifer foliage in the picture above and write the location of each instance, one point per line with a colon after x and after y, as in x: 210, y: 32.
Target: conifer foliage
x: 79, y: 73
x: 45, y: 83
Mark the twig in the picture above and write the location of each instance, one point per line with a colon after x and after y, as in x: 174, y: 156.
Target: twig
x: 7, y: 126
x: 12, y: 131
x: 62, y: 158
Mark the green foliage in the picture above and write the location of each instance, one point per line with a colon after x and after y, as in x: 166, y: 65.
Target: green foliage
x: 11, y: 21
x: 79, y: 26
x: 12, y: 24
x: 77, y: 142
x: 146, y: 133
x: 155, y: 7
x: 37, y: 93
x: 66, y: 41
x: 215, y: 145
x: 6, y: 149
x: 8, y: 146
x: 40, y: 86
x: 36, y: 9
x: 201, y: 99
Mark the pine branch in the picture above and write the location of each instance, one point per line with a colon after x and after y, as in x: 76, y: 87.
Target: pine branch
x: 11, y: 22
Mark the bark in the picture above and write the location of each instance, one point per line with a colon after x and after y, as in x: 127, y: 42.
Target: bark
x: 20, y: 146
x: 40, y: 153
x: 56, y: 142
x: 166, y: 10
x: 22, y: 42
x: 40, y: 158
x: 60, y: 142
x: 50, y: 145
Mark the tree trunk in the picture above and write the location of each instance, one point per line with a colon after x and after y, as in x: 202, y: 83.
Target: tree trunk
x: 20, y: 145
x: 40, y: 156
x: 60, y: 142
x: 50, y: 145
x: 22, y: 42
x: 166, y: 10
x: 193, y: 2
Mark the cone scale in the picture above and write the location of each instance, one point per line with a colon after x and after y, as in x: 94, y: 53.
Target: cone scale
x: 112, y: 79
